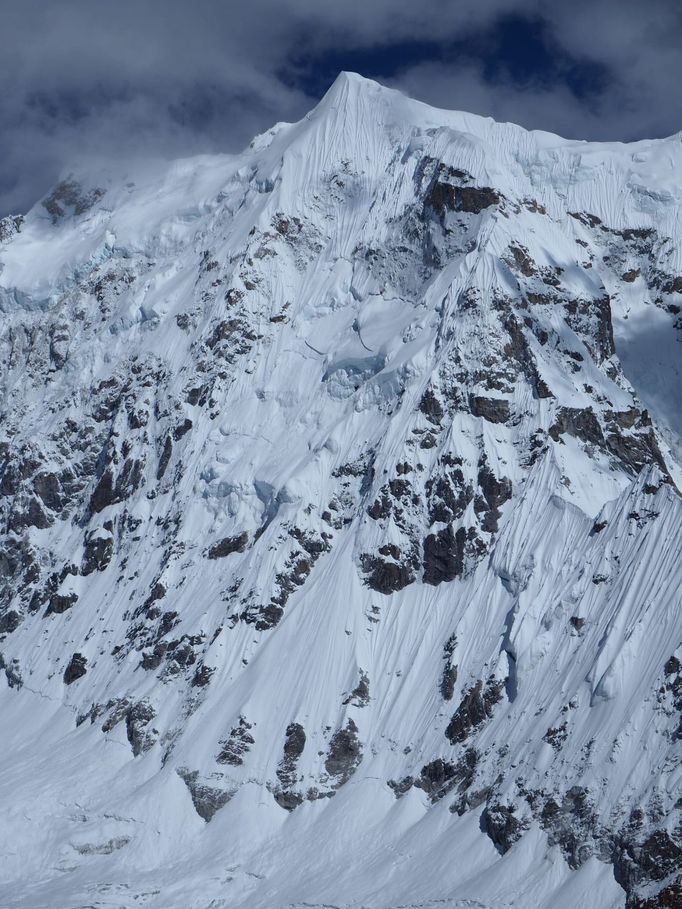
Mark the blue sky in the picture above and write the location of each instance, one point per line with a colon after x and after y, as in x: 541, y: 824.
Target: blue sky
x: 513, y: 48
x: 89, y: 79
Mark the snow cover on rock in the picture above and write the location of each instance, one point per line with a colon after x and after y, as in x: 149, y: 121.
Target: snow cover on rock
x: 340, y: 523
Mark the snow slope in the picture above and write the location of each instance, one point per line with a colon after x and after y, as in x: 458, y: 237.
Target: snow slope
x: 341, y: 524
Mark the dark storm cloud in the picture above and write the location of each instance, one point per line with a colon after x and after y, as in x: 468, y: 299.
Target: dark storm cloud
x: 88, y: 79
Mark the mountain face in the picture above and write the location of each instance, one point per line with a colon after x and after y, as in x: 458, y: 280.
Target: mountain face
x: 341, y: 525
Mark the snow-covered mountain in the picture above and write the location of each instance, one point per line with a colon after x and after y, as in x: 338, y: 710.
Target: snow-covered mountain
x: 340, y: 523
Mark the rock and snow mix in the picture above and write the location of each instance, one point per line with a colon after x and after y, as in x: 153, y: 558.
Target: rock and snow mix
x: 340, y: 522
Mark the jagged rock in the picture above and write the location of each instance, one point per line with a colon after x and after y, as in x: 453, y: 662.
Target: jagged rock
x: 182, y: 429
x: 653, y: 859
x: 667, y: 898
x: 440, y: 777
x: 572, y: 824
x: 556, y: 735
x: 381, y: 507
x: 154, y: 659
x: 263, y: 618
x: 345, y: 753
x: 448, y: 496
x: 475, y: 709
x: 444, y: 196
x: 673, y: 285
x: 48, y: 488
x: 237, y: 745
x: 97, y: 552
x: 294, y: 743
x: 297, y: 570
x: 158, y: 592
x: 207, y: 800
x: 437, y: 778
x: 76, y: 669
x: 670, y: 694
x: 633, y: 451
x: 9, y: 621
x: 359, y: 696
x: 626, y: 419
x: 592, y: 320
x: 12, y: 672
x: 494, y: 410
x: 69, y: 196
x: 180, y: 654
x: 386, y: 577
x: 111, y: 491
x: 10, y: 225
x: 138, y: 716
x: 500, y: 824
x: 450, y: 671
x: 117, y: 710
x: 400, y: 787
x: 311, y: 543
x: 105, y: 848
x: 495, y: 492
x: 636, y: 452
x: 165, y: 458
x: 29, y: 513
x: 577, y: 623
x: 444, y: 555
x: 583, y: 424
x: 202, y: 676
x: 519, y: 350
x: 59, y: 345
x: 288, y: 800
x: 60, y: 603
x: 228, y: 545
x: 521, y: 259
x: 431, y: 407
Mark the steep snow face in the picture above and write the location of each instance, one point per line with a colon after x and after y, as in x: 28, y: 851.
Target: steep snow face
x: 340, y: 523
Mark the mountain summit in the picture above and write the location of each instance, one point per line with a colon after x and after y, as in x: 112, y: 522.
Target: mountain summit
x: 340, y: 519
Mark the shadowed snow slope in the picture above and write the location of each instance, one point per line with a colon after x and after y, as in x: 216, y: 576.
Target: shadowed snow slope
x: 340, y: 523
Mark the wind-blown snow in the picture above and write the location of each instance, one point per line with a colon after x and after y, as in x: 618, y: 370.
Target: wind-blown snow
x: 341, y: 529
